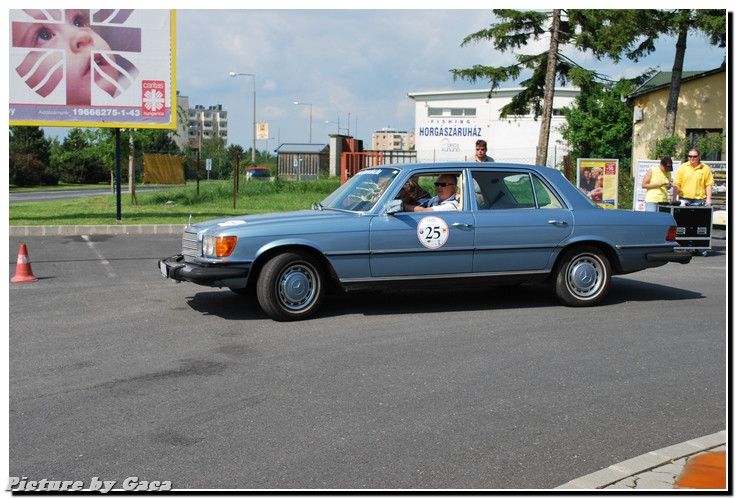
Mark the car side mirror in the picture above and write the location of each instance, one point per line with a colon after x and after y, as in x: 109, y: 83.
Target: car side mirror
x: 394, y: 206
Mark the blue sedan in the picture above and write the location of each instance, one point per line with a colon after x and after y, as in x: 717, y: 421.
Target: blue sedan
x: 501, y: 224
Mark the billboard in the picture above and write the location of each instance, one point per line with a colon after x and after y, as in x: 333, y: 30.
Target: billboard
x: 92, y: 68
x: 598, y: 179
x: 262, y: 130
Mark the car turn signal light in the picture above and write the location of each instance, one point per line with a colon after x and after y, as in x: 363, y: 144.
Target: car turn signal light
x: 224, y: 245
x: 671, y: 233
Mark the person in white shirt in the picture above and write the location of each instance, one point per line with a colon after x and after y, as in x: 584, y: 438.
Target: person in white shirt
x: 445, y: 198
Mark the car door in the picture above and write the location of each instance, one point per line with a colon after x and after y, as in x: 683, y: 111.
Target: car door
x: 423, y: 243
x: 519, y: 222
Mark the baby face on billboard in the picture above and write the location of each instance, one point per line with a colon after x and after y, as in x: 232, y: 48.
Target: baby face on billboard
x: 84, y: 50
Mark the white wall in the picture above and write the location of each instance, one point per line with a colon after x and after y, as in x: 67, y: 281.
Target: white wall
x: 452, y: 138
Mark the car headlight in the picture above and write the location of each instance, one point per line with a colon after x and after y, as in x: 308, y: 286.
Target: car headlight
x: 218, y: 246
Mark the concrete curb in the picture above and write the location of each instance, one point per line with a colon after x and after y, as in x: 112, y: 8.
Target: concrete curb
x: 650, y: 460
x: 76, y: 230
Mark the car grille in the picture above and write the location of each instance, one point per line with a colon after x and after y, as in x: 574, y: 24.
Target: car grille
x: 189, y: 246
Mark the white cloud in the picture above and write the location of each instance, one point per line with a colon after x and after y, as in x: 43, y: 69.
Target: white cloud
x: 360, y: 62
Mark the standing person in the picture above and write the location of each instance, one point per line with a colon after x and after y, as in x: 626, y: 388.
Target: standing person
x: 694, y: 182
x: 445, y: 198
x: 656, y: 182
x: 481, y: 148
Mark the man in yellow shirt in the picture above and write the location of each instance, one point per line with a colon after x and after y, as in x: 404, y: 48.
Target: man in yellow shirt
x: 693, y: 182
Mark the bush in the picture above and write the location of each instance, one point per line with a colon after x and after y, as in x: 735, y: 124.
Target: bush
x: 25, y: 170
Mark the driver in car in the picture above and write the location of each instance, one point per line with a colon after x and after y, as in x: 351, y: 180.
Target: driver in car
x: 445, y: 198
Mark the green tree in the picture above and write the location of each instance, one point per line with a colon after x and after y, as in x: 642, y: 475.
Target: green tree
x: 29, y: 140
x: 600, y: 125
x: 516, y: 30
x: 617, y: 33
x: 79, y: 160
x: 612, y: 33
x: 29, y: 157
x: 222, y: 162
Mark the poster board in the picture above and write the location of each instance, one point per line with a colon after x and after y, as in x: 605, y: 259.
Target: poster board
x: 121, y: 73
x: 598, y: 179
x: 642, y: 167
x: 718, y: 168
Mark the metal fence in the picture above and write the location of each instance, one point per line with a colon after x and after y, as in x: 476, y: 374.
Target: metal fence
x: 352, y: 162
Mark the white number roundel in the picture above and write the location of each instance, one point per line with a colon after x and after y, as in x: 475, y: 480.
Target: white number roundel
x: 432, y: 232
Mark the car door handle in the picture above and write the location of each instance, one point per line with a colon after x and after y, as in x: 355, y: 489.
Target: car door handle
x: 556, y: 222
x: 462, y: 225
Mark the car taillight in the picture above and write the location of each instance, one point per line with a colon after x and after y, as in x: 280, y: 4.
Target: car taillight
x: 671, y: 233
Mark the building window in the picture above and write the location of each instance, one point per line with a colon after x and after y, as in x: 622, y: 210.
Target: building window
x: 694, y: 136
x: 455, y: 112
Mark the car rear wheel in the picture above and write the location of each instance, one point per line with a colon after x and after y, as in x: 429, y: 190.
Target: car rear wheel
x: 290, y: 286
x: 583, y: 276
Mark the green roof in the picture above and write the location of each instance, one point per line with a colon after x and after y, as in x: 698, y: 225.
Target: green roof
x: 663, y: 78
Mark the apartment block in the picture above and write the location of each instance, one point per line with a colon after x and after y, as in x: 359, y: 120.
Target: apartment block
x: 205, y: 122
x: 388, y: 139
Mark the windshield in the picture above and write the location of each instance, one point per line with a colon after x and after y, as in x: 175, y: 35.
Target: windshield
x: 362, y: 191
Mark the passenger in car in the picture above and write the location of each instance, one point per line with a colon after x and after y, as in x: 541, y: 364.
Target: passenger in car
x: 444, y: 200
x: 415, y: 194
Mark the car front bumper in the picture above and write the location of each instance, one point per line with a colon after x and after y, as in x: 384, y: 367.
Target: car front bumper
x: 177, y: 269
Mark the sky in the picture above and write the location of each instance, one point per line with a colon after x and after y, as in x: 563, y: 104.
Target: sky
x: 354, y: 66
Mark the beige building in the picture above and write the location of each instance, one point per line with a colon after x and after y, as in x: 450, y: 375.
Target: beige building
x: 207, y: 122
x: 701, y: 110
x: 388, y: 139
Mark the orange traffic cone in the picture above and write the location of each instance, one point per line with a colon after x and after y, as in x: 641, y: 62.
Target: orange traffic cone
x: 705, y: 471
x: 23, y: 271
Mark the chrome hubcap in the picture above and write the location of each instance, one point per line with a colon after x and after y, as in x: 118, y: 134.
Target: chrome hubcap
x: 296, y: 287
x: 585, y: 276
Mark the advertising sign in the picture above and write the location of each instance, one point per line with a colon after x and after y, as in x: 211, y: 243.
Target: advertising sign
x: 719, y: 176
x: 262, y: 130
x: 643, y: 165
x: 598, y: 179
x: 92, y: 68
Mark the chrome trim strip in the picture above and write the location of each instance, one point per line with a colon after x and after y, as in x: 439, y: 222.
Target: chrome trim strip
x: 442, y: 276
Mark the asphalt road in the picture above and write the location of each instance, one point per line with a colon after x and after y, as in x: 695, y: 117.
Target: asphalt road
x: 115, y: 372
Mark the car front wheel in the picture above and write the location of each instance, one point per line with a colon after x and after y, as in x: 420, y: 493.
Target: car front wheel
x: 583, y: 276
x: 290, y: 286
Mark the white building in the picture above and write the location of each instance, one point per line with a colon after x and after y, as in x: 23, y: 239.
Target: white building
x: 447, y: 125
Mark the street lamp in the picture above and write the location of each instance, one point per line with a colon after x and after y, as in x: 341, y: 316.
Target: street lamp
x: 297, y: 103
x: 253, y: 158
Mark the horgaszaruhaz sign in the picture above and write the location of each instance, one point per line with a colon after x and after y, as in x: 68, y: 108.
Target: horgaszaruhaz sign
x: 92, y: 68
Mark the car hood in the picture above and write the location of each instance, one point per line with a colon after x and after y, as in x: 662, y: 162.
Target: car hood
x: 295, y: 218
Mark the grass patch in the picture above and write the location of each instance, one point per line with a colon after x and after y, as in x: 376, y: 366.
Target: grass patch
x: 215, y: 200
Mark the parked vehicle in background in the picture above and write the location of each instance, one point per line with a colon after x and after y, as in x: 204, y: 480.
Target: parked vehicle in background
x: 515, y: 224
x: 257, y: 173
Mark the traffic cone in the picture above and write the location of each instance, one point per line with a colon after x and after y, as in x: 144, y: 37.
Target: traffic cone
x: 23, y: 271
